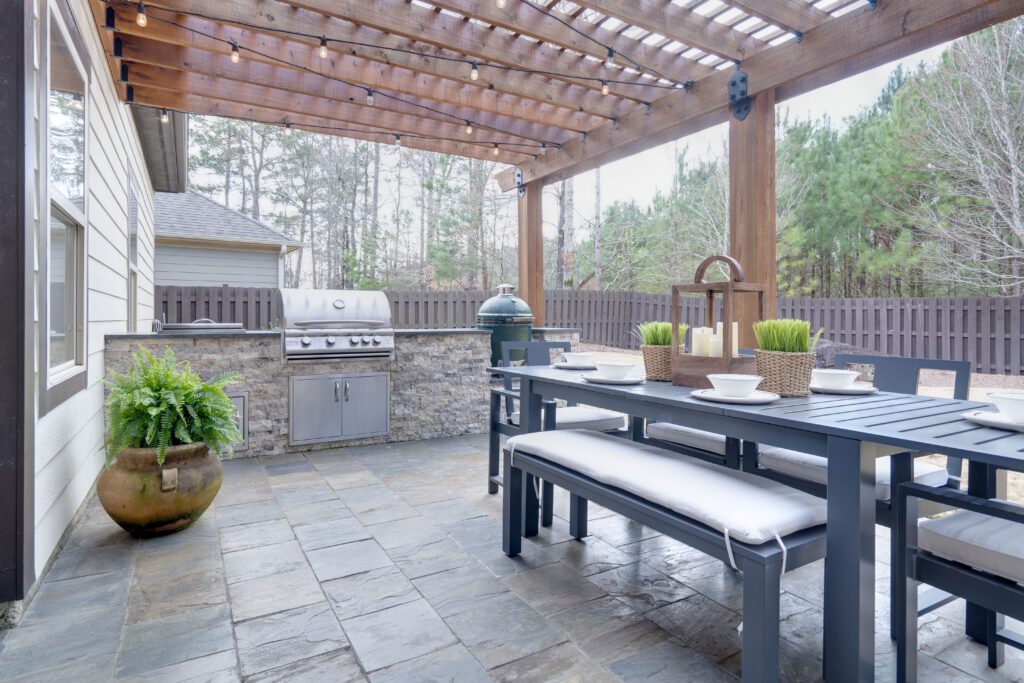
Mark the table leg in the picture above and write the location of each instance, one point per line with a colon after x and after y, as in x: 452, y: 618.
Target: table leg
x: 850, y: 562
x: 636, y: 428
x: 529, y: 421
x: 982, y: 481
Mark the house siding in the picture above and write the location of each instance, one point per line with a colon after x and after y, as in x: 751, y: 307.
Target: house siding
x: 69, y: 438
x: 208, y: 267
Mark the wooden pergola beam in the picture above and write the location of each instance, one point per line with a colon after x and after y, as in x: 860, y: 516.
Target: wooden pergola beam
x: 846, y: 44
x: 531, y: 250
x: 680, y: 24
x: 342, y: 111
x: 793, y: 16
x: 216, y: 106
x: 156, y: 45
x: 381, y: 48
x: 526, y: 19
x: 476, y: 42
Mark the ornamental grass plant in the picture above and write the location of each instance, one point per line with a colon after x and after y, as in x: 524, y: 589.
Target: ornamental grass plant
x: 656, y: 347
x: 785, y: 335
x: 658, y: 333
x: 785, y: 355
x: 160, y: 403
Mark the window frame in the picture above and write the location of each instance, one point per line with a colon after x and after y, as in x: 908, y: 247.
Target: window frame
x: 132, y: 276
x: 60, y: 383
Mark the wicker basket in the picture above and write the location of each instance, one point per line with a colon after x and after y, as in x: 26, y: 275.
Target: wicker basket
x: 658, y: 362
x: 785, y: 373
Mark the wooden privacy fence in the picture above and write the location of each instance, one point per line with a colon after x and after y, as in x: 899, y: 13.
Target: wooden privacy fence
x: 257, y: 308
x: 987, y: 331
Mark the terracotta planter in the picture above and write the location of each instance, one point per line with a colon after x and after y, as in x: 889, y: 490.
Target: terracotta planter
x: 148, y: 500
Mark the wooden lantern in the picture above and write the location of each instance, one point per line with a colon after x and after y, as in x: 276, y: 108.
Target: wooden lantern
x: 691, y: 371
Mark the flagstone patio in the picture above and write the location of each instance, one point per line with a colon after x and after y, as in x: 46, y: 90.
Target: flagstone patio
x: 384, y: 563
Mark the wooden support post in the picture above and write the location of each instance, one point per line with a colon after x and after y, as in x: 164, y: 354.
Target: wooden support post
x: 752, y: 207
x: 531, y: 250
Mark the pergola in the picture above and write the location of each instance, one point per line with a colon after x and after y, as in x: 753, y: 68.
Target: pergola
x: 550, y: 87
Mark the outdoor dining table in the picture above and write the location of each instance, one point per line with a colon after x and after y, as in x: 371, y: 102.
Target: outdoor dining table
x: 851, y: 432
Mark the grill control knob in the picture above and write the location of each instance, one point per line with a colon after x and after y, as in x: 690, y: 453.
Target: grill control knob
x: 366, y: 339
x: 377, y: 339
x: 306, y: 341
x: 330, y: 340
x: 353, y: 340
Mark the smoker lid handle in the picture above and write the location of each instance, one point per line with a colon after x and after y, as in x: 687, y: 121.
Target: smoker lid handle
x: 339, y: 323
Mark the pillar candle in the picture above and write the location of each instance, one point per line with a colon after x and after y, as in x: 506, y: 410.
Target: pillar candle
x: 715, y: 346
x: 699, y: 338
x: 735, y: 340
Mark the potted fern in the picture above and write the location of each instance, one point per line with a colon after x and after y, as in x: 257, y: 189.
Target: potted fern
x: 166, y: 429
x: 656, y: 347
x: 785, y: 355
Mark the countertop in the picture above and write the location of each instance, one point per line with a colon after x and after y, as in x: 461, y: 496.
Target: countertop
x: 150, y: 336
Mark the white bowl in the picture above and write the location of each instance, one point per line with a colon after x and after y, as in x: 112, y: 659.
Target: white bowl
x: 573, y: 358
x: 735, y: 386
x: 1010, y: 404
x: 612, y: 370
x: 828, y: 378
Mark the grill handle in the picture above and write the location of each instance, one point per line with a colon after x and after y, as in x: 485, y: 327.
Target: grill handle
x: 346, y: 391
x: 337, y: 390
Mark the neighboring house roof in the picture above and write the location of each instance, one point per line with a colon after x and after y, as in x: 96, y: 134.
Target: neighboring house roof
x: 191, y: 216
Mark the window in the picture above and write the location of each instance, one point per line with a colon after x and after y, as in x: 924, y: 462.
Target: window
x: 62, y: 291
x: 133, y: 255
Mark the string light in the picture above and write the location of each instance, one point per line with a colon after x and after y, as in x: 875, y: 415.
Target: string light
x: 496, y: 150
x: 474, y: 73
x: 140, y: 17
x: 610, y: 59
x: 235, y: 55
x: 323, y: 47
x: 667, y: 84
x: 469, y: 128
x: 369, y: 96
x: 398, y: 140
x: 287, y: 126
x: 604, y: 88
x: 543, y: 148
x: 164, y: 116
x: 502, y: 4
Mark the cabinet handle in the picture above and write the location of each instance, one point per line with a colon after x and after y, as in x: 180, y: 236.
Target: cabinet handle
x: 346, y: 390
x: 337, y: 390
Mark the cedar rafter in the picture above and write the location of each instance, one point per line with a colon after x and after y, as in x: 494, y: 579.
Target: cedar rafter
x: 792, y: 16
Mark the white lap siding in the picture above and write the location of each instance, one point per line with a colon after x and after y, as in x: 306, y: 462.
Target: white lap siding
x: 69, y: 439
x: 213, y: 267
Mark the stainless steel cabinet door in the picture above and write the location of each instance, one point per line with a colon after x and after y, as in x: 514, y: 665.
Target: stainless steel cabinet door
x: 366, y: 406
x: 240, y: 399
x: 315, y: 407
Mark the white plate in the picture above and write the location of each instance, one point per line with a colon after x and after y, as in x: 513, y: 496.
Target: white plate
x: 598, y: 379
x: 756, y: 398
x: 570, y: 366
x: 992, y: 418
x: 858, y: 389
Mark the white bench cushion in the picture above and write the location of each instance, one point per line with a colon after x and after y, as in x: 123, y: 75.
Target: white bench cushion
x: 752, y: 508
x: 987, y: 543
x: 815, y: 468
x: 686, y: 436
x: 578, y: 417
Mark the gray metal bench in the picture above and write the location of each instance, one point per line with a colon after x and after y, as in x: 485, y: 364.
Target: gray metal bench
x: 725, y: 513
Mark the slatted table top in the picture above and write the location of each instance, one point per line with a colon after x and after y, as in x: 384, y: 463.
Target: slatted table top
x: 917, y: 423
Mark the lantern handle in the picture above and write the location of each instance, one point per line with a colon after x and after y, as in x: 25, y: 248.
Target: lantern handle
x: 735, y: 269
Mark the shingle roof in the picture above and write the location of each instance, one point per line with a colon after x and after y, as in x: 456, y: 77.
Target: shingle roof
x: 190, y: 215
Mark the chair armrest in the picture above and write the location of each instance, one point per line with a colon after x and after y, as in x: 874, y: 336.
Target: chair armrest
x: 961, y: 500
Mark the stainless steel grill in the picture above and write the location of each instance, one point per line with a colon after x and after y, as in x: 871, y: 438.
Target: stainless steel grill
x: 336, y: 323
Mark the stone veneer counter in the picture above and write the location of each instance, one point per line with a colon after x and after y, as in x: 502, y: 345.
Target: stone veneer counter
x: 439, y: 382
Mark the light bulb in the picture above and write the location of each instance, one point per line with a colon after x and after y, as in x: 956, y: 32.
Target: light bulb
x: 398, y: 140
x: 543, y: 148
x: 604, y: 87
x: 235, y: 56
x: 469, y: 128
x: 140, y: 18
x: 610, y: 60
x: 495, y: 150
x: 323, y: 48
x: 474, y: 73
x: 369, y: 97
x: 164, y: 116
x: 502, y: 4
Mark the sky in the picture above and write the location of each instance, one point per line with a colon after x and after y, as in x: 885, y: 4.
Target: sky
x: 642, y: 175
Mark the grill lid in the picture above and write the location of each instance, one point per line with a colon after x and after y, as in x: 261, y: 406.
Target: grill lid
x: 334, y: 309
x: 505, y: 307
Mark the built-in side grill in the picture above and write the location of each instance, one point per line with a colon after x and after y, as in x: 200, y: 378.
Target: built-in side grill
x: 336, y: 323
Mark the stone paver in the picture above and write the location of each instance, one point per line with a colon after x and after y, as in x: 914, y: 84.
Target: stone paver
x: 383, y: 563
